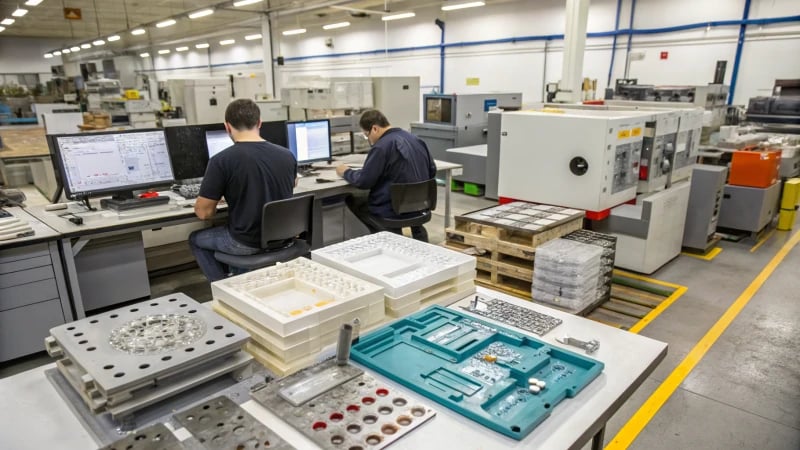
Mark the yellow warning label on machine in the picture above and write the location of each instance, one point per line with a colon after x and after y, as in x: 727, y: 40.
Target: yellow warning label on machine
x: 636, y: 132
x: 623, y: 134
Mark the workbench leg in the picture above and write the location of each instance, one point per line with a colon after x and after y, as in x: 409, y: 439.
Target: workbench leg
x: 448, y: 183
x: 597, y: 440
x: 71, y: 273
x: 317, y: 240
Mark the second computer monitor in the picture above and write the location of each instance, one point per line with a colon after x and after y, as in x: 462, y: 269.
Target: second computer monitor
x: 217, y: 141
x: 309, y: 141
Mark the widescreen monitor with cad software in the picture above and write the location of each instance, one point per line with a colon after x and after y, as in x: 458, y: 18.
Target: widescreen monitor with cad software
x: 116, y: 162
x: 309, y: 141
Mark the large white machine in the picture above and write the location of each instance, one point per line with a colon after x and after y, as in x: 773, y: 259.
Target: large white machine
x: 203, y: 99
x: 650, y: 232
x: 574, y: 158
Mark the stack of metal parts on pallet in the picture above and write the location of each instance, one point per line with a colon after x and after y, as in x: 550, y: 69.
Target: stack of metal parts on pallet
x: 127, y: 359
x: 413, y: 274
x: 294, y: 310
x: 566, y: 274
x: 608, y: 244
x: 505, y: 239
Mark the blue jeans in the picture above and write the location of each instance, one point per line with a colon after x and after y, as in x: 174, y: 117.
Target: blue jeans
x: 218, y: 239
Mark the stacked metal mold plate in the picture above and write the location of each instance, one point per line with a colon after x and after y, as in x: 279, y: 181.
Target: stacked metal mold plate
x: 413, y: 274
x: 130, y: 358
x: 294, y: 310
x: 343, y: 407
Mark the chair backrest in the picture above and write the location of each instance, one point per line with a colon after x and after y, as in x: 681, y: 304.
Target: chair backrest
x: 413, y: 197
x: 283, y: 220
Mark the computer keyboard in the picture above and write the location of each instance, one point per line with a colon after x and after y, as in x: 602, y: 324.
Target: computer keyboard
x: 516, y: 316
x: 189, y: 191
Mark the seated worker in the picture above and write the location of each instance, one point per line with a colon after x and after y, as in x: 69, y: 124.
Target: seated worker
x: 396, y: 156
x: 249, y: 174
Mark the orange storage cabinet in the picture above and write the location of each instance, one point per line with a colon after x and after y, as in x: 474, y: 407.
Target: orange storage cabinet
x: 755, y: 169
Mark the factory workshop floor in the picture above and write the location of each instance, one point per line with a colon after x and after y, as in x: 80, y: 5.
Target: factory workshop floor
x: 731, y: 378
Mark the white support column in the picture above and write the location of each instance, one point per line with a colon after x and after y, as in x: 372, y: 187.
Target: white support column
x: 577, y: 15
x: 266, y: 49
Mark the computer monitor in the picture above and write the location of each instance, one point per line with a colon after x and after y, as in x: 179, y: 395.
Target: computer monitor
x: 117, y: 163
x: 274, y: 132
x: 309, y: 141
x: 217, y: 141
x: 187, y: 151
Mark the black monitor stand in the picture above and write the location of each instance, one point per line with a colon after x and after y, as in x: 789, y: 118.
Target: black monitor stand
x: 124, y: 201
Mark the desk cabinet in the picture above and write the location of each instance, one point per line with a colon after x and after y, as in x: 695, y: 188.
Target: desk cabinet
x: 33, y: 298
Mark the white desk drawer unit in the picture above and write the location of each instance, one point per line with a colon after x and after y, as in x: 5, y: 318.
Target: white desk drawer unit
x: 31, y: 286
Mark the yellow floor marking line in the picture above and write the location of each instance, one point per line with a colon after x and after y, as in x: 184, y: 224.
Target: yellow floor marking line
x: 645, y: 321
x: 708, y: 256
x: 646, y: 279
x: 762, y: 241
x: 642, y: 417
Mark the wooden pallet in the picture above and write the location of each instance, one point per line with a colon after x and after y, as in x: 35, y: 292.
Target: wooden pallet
x: 514, y: 242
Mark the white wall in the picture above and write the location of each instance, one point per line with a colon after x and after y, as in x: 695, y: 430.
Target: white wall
x: 25, y: 55
x: 769, y: 52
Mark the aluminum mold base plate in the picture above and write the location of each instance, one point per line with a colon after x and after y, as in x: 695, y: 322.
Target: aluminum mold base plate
x: 88, y: 341
x: 154, y: 437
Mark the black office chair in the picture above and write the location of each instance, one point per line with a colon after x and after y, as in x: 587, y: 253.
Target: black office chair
x: 285, y: 235
x: 413, y: 204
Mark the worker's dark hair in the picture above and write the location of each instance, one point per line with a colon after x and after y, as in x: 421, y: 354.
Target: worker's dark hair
x: 243, y: 114
x: 373, y: 117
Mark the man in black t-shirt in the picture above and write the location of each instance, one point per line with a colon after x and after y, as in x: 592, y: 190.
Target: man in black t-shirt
x: 248, y: 174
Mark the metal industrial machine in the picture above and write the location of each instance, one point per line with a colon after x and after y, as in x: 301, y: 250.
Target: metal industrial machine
x: 705, y: 199
x: 454, y: 120
x: 650, y: 232
x: 578, y: 159
x: 747, y: 208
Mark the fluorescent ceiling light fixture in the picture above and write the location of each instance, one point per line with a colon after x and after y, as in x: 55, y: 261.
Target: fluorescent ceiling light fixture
x: 295, y: 31
x: 7, y: 21
x: 166, y: 23
x: 398, y: 16
x: 99, y: 42
x: 33, y: 2
x: 201, y: 46
x: 245, y: 2
x: 181, y: 49
x: 56, y: 53
x: 333, y: 26
x: 227, y: 42
x: 75, y: 48
x: 201, y: 13
x: 113, y: 38
x: 144, y: 55
x: 19, y: 12
x: 66, y: 51
x: 455, y: 6
x: 48, y: 55
x: 138, y: 31
x: 252, y: 37
x: 164, y: 51
x: 86, y: 45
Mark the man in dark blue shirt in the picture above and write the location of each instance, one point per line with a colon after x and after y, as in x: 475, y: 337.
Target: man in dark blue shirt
x: 248, y: 174
x: 396, y: 156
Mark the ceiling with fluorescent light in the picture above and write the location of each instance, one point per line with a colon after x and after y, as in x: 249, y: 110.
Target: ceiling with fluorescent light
x: 101, y: 18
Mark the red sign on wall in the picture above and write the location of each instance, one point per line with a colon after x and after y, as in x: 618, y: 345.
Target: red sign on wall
x: 664, y: 55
